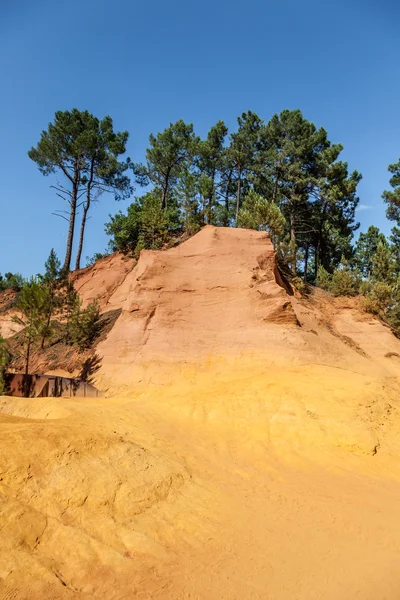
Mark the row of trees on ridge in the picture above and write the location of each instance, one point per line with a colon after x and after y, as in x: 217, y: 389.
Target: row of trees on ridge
x: 283, y: 175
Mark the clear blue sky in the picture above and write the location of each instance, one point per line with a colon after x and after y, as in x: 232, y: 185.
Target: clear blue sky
x: 149, y: 63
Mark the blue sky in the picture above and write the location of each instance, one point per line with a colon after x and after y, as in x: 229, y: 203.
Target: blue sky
x: 149, y: 63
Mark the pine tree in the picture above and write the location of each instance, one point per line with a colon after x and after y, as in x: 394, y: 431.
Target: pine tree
x: 344, y: 281
x: 124, y: 230
x: 171, y: 152
x: 187, y: 195
x: 292, y: 144
x: 333, y: 209
x: 84, y: 152
x: 382, y: 295
x: 395, y: 249
x: 104, y: 173
x: 62, y: 149
x: 366, y: 248
x: 288, y: 161
x: 32, y: 303
x: 54, y: 280
x: 323, y: 279
x: 382, y: 264
x: 11, y: 281
x: 5, y: 357
x: 296, y: 166
x: 392, y: 197
x: 145, y: 226
x: 260, y: 214
x: 83, y: 324
x: 153, y: 221
x: 242, y: 150
x: 211, y: 163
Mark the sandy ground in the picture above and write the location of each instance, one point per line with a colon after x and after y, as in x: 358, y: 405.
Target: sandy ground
x: 249, y: 447
x: 257, y: 489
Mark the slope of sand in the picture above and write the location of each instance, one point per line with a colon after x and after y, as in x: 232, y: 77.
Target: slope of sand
x: 249, y: 448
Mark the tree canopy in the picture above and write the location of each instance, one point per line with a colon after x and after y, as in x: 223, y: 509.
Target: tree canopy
x: 83, y: 152
x: 287, y: 161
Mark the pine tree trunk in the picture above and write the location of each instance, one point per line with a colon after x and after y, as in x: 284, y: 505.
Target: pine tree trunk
x: 84, y: 216
x: 210, y: 199
x: 306, y: 264
x: 275, y: 192
x: 72, y: 216
x: 81, y: 235
x: 164, y: 200
x: 226, y: 220
x: 70, y: 239
x: 293, y: 243
x: 47, y: 328
x: 318, y: 251
x: 26, y: 375
x: 238, y: 196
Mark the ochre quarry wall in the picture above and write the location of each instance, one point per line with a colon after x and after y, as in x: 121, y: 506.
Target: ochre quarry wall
x: 210, y: 296
x: 219, y: 297
x: 215, y: 301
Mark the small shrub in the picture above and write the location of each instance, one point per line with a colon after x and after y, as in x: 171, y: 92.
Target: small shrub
x: 378, y: 299
x: 83, y: 324
x: 90, y: 260
x: 345, y: 282
x: 324, y: 279
x: 11, y: 281
x: 5, y: 358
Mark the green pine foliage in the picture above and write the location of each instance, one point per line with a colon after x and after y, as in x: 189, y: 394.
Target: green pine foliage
x: 11, y: 281
x: 210, y: 163
x: 382, y: 290
x: 382, y: 264
x: 48, y: 304
x: 31, y: 305
x: 324, y: 279
x: 187, y: 195
x: 392, y: 197
x: 5, y: 358
x: 90, y: 260
x: 53, y: 281
x: 365, y: 249
x: 378, y: 299
x: 259, y: 213
x: 85, y: 151
x: 170, y: 154
x: 344, y: 281
x: 83, y: 324
x: 145, y: 226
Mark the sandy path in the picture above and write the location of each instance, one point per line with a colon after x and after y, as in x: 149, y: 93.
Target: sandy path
x: 267, y: 489
x: 283, y: 530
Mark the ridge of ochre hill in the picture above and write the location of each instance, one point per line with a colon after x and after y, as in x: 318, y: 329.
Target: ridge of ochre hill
x: 248, y: 447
